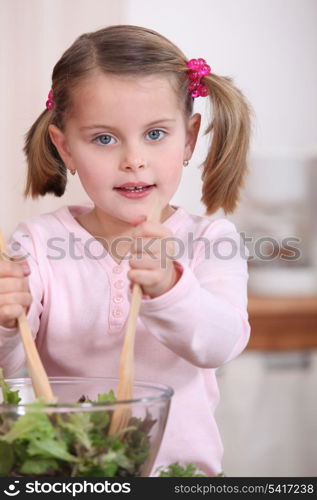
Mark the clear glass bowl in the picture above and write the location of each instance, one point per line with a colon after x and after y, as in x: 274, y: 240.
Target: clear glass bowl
x: 83, y: 428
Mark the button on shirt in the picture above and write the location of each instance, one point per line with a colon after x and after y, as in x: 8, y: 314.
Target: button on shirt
x: 119, y: 301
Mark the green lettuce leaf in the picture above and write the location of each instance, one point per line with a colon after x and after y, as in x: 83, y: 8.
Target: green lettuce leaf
x: 38, y: 466
x: 176, y: 469
x: 47, y: 448
x: 9, y: 396
x: 108, y: 397
x: 78, y: 426
x: 6, y: 458
x: 32, y: 425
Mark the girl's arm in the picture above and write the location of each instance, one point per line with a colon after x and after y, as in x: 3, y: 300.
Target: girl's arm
x: 203, y: 318
x: 12, y: 356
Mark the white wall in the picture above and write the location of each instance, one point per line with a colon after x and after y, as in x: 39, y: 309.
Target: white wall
x: 268, y: 46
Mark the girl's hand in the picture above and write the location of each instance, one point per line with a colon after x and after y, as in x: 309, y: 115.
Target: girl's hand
x: 15, y: 297
x: 151, y: 260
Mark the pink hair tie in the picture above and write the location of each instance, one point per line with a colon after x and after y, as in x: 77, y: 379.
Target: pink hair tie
x: 198, y: 68
x: 50, y: 100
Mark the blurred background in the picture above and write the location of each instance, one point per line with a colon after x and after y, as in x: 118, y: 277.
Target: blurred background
x: 268, y: 410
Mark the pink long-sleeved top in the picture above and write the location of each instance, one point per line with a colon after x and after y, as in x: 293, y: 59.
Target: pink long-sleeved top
x: 81, y: 301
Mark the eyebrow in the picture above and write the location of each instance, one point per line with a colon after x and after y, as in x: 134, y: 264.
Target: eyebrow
x: 97, y: 126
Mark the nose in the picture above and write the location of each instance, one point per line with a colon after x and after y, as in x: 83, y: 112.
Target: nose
x: 133, y: 164
x: 133, y: 160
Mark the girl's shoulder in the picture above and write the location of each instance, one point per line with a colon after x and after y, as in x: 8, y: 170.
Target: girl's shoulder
x: 56, y: 223
x: 63, y: 216
x: 36, y: 233
x: 201, y: 225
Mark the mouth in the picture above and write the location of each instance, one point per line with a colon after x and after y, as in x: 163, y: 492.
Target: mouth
x: 134, y: 188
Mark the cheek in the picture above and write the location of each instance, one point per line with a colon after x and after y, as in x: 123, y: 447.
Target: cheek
x: 91, y: 168
x: 172, y: 176
x: 174, y: 165
x: 93, y: 176
x: 169, y: 168
x: 94, y: 180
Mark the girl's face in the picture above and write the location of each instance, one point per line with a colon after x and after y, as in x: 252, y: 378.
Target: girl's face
x: 125, y: 132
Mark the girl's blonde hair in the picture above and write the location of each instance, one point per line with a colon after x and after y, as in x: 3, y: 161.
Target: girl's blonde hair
x: 133, y: 50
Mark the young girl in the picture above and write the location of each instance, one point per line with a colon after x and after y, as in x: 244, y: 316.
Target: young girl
x: 120, y: 116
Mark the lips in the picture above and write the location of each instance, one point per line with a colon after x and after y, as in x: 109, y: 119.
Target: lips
x: 135, y: 190
x: 134, y: 186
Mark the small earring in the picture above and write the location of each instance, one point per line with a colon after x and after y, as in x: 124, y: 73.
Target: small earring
x: 73, y: 171
x: 186, y: 163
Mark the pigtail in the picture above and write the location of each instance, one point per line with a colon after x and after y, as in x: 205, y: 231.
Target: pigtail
x: 225, y: 166
x: 46, y: 170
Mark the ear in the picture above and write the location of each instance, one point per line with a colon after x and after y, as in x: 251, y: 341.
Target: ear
x: 193, y: 127
x: 59, y: 140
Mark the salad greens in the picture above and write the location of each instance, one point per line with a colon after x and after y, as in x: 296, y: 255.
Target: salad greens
x: 9, y: 396
x: 75, y: 444
x: 70, y: 444
x: 177, y: 470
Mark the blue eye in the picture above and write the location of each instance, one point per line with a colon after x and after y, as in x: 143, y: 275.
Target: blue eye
x: 103, y: 139
x: 155, y: 134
